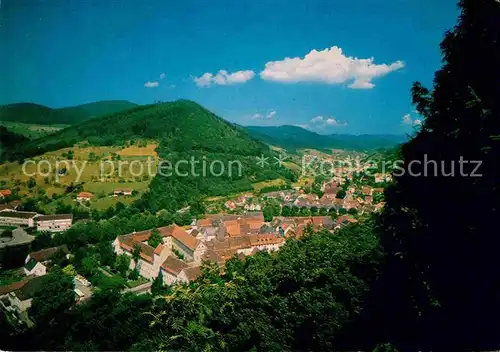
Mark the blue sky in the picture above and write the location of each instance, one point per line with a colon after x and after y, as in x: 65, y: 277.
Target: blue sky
x: 67, y: 52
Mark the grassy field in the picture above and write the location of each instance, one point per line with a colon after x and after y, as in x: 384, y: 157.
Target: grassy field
x: 292, y: 166
x: 276, y: 182
x: 96, y: 168
x: 148, y: 150
x: 31, y: 131
x: 302, y: 181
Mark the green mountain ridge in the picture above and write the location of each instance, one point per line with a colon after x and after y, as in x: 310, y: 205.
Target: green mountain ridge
x: 184, y: 125
x: 184, y: 130
x: 43, y: 115
x: 294, y: 137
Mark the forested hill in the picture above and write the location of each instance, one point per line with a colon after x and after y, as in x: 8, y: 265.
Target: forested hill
x: 9, y: 140
x: 98, y: 108
x: 181, y: 125
x: 294, y: 137
x: 184, y: 130
x: 43, y: 115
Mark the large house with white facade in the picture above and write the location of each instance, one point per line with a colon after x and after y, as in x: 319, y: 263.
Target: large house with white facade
x: 54, y: 223
x: 17, y: 218
x: 162, y: 259
x: 150, y: 258
x: 35, y: 263
x: 189, y: 246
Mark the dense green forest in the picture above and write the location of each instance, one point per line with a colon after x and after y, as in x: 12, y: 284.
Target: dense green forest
x: 422, y: 276
x: 441, y: 234
x: 43, y: 115
x: 293, y: 137
x: 298, y: 298
x: 8, y: 141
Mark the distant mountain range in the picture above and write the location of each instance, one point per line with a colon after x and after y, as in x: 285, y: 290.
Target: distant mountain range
x: 109, y: 122
x: 43, y: 115
x: 294, y: 137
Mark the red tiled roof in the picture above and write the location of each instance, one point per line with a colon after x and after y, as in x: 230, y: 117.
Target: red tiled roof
x: 181, y: 235
x: 225, y: 255
x: 322, y: 221
x: 258, y: 240
x: 46, y: 254
x: 243, y: 226
x: 210, y: 256
x: 5, y: 192
x: 85, y: 195
x: 344, y: 218
x: 141, y: 236
x: 367, y: 190
x: 193, y: 273
x: 173, y: 265
x: 204, y: 222
x: 13, y: 287
x: 128, y: 242
x: 158, y: 249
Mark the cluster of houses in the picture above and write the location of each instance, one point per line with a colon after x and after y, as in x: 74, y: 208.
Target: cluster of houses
x: 87, y: 196
x: 50, y: 223
x: 216, y: 238
x: 355, y: 197
x: 245, y: 201
x: 360, y: 199
x: 165, y: 259
x: 17, y: 297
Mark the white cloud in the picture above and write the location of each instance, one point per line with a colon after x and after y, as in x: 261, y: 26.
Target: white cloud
x: 223, y: 78
x: 267, y: 116
x: 330, y: 121
x: 304, y: 126
x: 162, y: 75
x: 151, y: 84
x: 408, y: 120
x: 357, y: 84
x: 317, y: 119
x: 329, y: 66
x: 334, y: 122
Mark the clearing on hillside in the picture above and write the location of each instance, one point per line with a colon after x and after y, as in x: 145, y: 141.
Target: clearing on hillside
x: 99, y: 170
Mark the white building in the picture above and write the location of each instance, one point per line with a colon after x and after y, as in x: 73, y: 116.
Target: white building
x: 123, y: 192
x: 150, y: 258
x: 189, y: 246
x: 35, y: 263
x: 17, y: 218
x: 34, y: 268
x: 54, y: 223
x: 171, y: 269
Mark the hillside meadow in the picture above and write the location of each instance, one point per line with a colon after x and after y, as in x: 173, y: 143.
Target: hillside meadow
x: 85, y: 168
x: 30, y: 130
